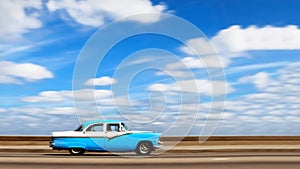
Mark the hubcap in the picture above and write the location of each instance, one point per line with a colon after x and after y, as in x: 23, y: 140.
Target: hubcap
x: 144, y: 148
x: 76, y: 151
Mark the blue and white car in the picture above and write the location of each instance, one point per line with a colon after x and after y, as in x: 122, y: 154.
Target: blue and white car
x: 105, y: 135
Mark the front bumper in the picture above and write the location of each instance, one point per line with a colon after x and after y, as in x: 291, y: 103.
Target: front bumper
x: 159, y: 146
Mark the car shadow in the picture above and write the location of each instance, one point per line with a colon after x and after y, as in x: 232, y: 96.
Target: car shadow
x: 91, y: 155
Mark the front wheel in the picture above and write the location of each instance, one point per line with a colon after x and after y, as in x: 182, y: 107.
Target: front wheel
x: 144, y: 148
x: 76, y: 151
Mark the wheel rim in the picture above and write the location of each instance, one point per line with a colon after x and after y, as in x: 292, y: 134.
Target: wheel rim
x: 144, y: 148
x: 75, y: 151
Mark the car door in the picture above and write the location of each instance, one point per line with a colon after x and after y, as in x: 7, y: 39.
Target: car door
x: 96, y: 137
x: 116, y: 138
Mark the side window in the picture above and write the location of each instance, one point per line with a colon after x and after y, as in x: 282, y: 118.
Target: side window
x: 95, y: 128
x: 113, y: 127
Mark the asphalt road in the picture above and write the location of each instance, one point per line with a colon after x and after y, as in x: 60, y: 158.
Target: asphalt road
x: 131, y: 161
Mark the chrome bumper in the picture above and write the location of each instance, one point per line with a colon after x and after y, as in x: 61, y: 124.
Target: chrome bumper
x: 51, y: 144
x: 159, y: 146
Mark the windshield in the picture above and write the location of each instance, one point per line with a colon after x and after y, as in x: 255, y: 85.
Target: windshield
x: 80, y: 128
x: 125, y: 127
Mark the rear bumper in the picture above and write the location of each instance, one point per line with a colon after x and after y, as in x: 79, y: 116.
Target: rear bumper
x: 51, y: 144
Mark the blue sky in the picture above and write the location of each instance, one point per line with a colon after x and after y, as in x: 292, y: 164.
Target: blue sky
x: 256, y: 43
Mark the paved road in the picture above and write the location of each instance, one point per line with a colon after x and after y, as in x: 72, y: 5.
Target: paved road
x: 108, y: 161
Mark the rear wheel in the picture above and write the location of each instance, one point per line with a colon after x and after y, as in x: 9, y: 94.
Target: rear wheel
x: 76, y: 151
x: 144, y: 148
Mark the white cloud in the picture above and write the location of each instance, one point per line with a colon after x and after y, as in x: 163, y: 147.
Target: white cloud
x: 14, y: 73
x: 205, y: 49
x: 36, y: 111
x: 239, y: 69
x: 88, y: 94
x: 85, y: 98
x: 101, y: 81
x: 235, y: 41
x: 159, y: 87
x: 38, y: 120
x: 61, y: 111
x: 261, y: 80
x: 9, y: 49
x: 196, y: 63
x: 119, y: 101
x: 208, y: 61
x: 2, y: 110
x: 273, y: 110
x: 18, y: 17
x: 95, y: 13
x: 65, y: 96
x: 15, y: 21
x: 276, y: 101
x: 292, y: 119
x: 210, y: 88
x: 201, y: 46
x: 173, y: 72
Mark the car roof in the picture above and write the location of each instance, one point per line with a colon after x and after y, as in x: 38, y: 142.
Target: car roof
x: 87, y: 123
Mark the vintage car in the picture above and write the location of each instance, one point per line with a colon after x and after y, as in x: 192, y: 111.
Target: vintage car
x: 105, y: 135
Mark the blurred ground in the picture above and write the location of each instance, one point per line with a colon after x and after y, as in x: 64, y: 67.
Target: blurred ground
x: 216, y: 160
x: 183, y: 145
x: 236, y: 152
